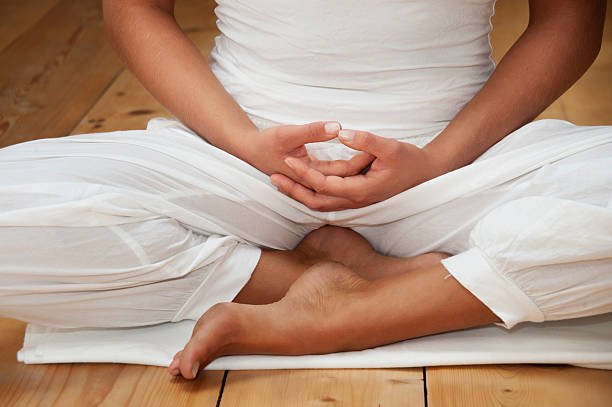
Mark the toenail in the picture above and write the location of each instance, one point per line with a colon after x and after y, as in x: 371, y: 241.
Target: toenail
x: 195, y: 369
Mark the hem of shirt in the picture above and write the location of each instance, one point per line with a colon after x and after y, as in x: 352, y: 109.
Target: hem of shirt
x: 224, y: 282
x: 493, y: 289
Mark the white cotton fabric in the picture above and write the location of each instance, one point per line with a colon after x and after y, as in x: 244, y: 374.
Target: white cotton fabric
x: 552, y: 258
x: 583, y: 342
x: 139, y: 227
x: 401, y: 69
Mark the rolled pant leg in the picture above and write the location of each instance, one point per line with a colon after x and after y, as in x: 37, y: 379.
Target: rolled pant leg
x: 134, y: 274
x: 540, y: 259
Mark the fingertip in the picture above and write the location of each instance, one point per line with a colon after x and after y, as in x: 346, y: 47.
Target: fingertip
x: 346, y: 135
x: 332, y: 127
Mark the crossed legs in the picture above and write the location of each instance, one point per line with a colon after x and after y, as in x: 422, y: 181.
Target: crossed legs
x: 332, y: 293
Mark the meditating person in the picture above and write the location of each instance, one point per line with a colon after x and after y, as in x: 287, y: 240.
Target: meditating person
x: 416, y: 199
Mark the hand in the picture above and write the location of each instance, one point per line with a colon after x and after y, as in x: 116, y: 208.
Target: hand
x: 271, y: 147
x: 397, y: 166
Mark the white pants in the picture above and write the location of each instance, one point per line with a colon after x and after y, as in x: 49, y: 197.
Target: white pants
x: 136, y: 228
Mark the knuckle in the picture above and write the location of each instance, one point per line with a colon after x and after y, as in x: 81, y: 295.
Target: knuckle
x: 321, y: 188
x: 395, y: 150
x: 316, y: 205
x: 282, y: 139
x: 360, y: 198
x: 361, y: 138
x: 313, y: 130
x: 293, y: 191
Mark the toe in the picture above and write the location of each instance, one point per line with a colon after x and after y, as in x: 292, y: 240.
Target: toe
x: 213, y: 331
x: 173, y: 368
x: 193, y: 356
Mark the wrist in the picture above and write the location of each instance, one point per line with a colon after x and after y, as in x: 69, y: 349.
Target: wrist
x: 438, y: 164
x: 231, y: 138
x: 244, y: 144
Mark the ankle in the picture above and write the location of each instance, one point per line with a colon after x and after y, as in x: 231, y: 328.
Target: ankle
x: 228, y: 320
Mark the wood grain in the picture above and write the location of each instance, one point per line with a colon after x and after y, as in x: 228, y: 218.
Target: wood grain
x: 94, y: 384
x: 57, y: 71
x: 54, y: 72
x: 518, y: 385
x: 338, y: 387
x: 19, y: 15
x: 126, y: 105
x: 195, y: 15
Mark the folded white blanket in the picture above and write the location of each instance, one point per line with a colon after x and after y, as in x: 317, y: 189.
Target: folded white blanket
x: 583, y: 342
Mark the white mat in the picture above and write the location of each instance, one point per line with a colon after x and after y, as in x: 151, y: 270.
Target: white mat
x: 583, y: 342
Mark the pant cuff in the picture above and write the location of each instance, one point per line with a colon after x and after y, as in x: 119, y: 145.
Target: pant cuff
x: 496, y: 291
x: 229, y: 276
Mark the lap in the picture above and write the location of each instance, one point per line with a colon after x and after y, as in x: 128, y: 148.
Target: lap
x: 122, y: 177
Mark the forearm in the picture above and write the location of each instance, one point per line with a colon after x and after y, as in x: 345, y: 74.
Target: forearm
x: 169, y: 65
x: 559, y: 44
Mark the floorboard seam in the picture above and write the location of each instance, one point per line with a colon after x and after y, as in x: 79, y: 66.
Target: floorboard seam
x: 221, y: 389
x: 425, y: 385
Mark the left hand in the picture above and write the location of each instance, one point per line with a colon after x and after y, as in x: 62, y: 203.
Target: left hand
x: 397, y: 166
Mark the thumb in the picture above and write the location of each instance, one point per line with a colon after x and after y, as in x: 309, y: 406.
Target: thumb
x: 380, y: 147
x: 297, y: 135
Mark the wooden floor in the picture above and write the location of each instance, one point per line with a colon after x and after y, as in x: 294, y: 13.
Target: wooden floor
x: 59, y: 76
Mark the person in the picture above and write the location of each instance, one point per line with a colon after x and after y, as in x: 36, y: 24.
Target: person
x: 176, y: 215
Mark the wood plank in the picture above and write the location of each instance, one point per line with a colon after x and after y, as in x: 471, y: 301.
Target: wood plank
x: 518, y: 385
x: 20, y: 15
x: 509, y: 22
x: 343, y: 387
x: 94, y: 384
x: 589, y: 101
x: 127, y: 105
x: 196, y: 15
x: 54, y: 72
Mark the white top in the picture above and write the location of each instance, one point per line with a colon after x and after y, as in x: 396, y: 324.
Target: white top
x: 399, y: 68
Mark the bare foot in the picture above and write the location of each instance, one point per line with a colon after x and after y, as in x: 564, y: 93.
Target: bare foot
x: 342, y: 245
x: 277, y: 270
x: 295, y: 325
x: 330, y: 309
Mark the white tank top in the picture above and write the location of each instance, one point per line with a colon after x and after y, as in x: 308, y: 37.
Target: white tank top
x: 398, y: 68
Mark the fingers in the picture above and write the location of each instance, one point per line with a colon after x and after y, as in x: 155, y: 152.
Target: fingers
x: 357, y: 188
x: 344, y: 168
x: 381, y: 147
x: 308, y: 197
x: 312, y: 199
x: 296, y: 135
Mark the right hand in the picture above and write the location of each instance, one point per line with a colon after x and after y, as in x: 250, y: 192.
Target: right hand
x: 268, y: 150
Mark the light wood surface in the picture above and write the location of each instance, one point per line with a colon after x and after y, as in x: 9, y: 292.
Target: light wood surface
x: 19, y: 15
x: 94, y: 384
x: 58, y: 76
x: 54, y: 72
x: 518, y: 385
x: 338, y: 387
x: 126, y: 105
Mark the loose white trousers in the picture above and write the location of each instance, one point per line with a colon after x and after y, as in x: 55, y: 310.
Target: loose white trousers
x: 135, y: 228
